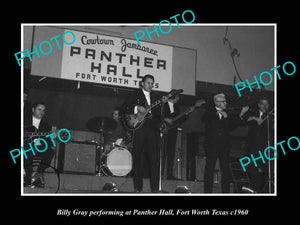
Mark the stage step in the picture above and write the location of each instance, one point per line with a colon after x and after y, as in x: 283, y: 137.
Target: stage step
x: 90, y: 184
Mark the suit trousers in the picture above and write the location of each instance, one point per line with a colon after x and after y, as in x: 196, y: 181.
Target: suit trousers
x: 45, y: 156
x: 257, y: 174
x: 192, y: 140
x: 146, y: 140
x: 169, y: 151
x: 221, y: 152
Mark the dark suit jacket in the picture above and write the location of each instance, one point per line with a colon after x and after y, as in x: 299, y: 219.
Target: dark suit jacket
x: 217, y: 132
x: 44, y: 127
x: 167, y: 111
x: 257, y: 134
x: 27, y: 116
x: 167, y: 114
x: 138, y: 98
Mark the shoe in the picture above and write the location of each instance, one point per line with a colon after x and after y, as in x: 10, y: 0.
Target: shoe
x: 27, y: 182
x: 172, y: 178
x: 37, y: 183
x: 159, y: 191
x: 137, y: 190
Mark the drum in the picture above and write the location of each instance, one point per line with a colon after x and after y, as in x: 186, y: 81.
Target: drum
x: 120, y: 142
x: 118, y: 162
x: 108, y: 147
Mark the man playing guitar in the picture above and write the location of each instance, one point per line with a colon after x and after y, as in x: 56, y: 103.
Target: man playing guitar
x: 172, y: 119
x: 146, y: 137
x: 36, y: 123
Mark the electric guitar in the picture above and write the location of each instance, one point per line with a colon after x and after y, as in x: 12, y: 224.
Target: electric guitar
x: 168, y: 123
x: 136, y: 121
x: 31, y: 132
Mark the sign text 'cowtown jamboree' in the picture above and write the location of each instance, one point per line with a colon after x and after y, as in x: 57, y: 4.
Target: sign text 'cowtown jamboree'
x: 116, y: 61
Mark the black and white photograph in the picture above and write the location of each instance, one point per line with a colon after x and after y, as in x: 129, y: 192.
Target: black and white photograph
x: 148, y: 118
x: 170, y: 117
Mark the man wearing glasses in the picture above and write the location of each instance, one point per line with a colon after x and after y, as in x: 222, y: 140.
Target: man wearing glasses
x: 217, y: 142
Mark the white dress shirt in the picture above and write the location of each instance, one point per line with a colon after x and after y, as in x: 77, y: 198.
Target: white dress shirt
x: 36, y: 122
x: 219, y: 109
x: 147, y: 96
x: 171, y: 106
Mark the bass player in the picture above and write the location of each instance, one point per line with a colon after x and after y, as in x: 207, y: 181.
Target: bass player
x: 172, y: 120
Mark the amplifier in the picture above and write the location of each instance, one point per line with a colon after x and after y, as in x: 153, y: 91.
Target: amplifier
x: 80, y: 157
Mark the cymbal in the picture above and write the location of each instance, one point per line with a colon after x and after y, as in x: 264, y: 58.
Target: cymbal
x: 101, y: 124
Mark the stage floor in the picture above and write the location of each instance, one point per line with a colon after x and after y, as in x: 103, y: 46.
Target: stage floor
x: 92, y: 184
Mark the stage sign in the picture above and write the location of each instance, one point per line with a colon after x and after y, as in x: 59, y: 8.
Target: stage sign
x: 103, y: 59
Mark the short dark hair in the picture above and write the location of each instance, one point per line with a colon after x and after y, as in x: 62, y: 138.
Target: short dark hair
x: 119, y: 109
x: 174, y: 96
x: 147, y: 76
x: 38, y: 103
x: 263, y: 98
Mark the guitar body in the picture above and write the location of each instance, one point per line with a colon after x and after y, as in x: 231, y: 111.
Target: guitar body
x: 30, y: 133
x: 169, y: 123
x: 135, y: 121
x: 165, y: 126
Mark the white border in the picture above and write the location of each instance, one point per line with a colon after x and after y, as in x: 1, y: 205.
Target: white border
x: 145, y: 24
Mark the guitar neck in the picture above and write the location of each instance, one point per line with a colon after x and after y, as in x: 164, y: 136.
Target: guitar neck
x: 268, y: 114
x: 32, y: 134
x: 153, y: 104
x: 186, y: 112
x: 157, y: 102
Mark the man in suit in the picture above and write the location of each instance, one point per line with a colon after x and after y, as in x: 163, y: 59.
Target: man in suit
x: 170, y: 110
x: 218, y: 125
x: 146, y: 138
x: 36, y: 121
x: 258, y: 140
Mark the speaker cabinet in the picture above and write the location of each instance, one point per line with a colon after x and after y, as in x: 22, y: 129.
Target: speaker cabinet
x: 80, y: 158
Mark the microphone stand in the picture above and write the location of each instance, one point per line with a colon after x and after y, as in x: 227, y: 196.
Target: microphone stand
x: 161, y: 148
x: 161, y: 135
x: 269, y: 155
x: 100, y: 150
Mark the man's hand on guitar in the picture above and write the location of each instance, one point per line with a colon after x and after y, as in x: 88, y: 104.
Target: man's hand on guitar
x: 141, y: 109
x: 169, y: 121
x: 190, y: 109
x: 258, y: 120
x: 199, y: 103
x: 244, y: 110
